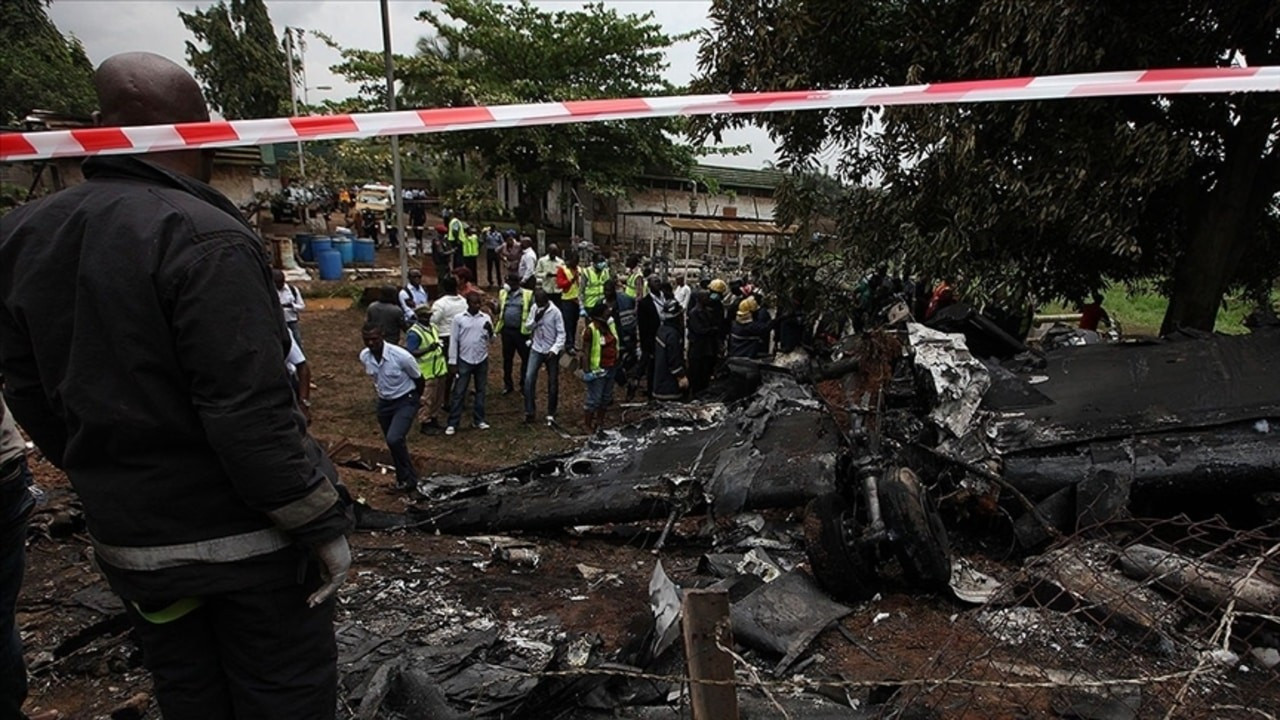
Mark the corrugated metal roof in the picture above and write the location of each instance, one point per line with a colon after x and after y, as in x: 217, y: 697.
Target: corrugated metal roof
x: 728, y: 178
x: 732, y: 227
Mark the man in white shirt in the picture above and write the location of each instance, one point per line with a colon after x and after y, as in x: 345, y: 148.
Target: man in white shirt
x: 413, y: 296
x: 546, y: 325
x: 528, y: 260
x: 399, y: 385
x: 469, y: 358
x: 682, y: 292
x: 545, y: 272
x: 291, y: 303
x: 448, y: 306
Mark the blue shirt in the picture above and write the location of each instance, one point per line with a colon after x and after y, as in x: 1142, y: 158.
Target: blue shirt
x: 470, y: 341
x: 548, y: 329
x: 394, y: 374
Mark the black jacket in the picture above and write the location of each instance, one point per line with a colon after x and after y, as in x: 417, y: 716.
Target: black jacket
x: 750, y: 340
x: 647, y: 322
x: 143, y: 348
x: 668, y: 361
x: 705, y: 322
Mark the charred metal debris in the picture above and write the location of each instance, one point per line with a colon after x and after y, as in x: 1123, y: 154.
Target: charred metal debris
x: 902, y: 529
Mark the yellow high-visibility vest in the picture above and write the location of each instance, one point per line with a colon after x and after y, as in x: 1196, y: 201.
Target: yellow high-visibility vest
x: 572, y: 292
x: 526, y: 298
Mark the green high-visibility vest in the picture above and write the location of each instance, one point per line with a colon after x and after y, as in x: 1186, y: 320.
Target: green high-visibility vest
x: 630, y: 289
x: 470, y: 245
x: 593, y: 294
x: 456, y: 232
x: 570, y: 274
x: 526, y: 299
x: 597, y: 344
x: 431, y: 363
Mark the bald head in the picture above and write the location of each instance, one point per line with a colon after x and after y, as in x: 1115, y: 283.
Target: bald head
x: 141, y: 88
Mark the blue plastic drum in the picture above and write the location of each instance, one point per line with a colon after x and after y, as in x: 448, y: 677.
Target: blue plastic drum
x: 364, y: 251
x: 346, y: 248
x: 320, y: 243
x: 330, y: 264
x: 302, y: 243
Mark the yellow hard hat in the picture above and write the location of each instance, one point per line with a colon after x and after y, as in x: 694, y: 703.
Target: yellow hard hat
x: 718, y: 286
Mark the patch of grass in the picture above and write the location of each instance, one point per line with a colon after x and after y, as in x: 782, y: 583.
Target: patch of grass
x: 1142, y: 311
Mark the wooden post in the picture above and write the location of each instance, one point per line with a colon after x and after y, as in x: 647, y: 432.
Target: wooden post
x: 706, y: 620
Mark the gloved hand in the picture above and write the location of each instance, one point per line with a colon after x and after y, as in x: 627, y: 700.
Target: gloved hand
x: 335, y: 561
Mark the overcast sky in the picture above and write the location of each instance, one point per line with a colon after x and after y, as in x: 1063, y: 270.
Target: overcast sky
x: 107, y: 27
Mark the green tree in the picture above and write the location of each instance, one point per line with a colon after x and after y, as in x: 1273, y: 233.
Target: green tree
x: 1052, y: 197
x: 43, y: 69
x: 483, y: 52
x: 239, y: 59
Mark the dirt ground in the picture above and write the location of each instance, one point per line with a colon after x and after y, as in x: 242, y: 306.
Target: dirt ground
x: 84, y: 664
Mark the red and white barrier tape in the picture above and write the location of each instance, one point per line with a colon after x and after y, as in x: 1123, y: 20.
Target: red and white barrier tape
x: 158, y: 138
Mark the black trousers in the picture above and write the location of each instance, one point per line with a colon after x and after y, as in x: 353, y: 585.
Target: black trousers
x: 701, y: 368
x: 448, y: 378
x: 492, y: 268
x: 513, y: 343
x: 245, y: 655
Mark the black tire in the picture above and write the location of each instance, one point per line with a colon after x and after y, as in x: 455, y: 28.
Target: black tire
x: 845, y: 572
x: 919, y: 537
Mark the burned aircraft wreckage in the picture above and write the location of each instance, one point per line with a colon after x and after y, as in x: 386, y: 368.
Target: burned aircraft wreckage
x: 913, y: 433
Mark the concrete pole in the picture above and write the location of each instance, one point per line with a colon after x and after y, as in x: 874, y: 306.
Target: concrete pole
x: 396, y: 179
x: 293, y: 102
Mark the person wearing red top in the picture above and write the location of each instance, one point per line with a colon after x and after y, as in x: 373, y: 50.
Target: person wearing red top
x: 943, y: 295
x: 1093, y: 313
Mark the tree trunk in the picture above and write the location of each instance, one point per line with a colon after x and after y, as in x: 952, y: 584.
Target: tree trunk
x: 1220, y: 234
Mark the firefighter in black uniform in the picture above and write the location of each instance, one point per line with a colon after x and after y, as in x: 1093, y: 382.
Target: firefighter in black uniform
x: 144, y: 353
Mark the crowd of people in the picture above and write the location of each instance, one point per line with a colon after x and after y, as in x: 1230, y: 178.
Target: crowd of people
x: 631, y: 332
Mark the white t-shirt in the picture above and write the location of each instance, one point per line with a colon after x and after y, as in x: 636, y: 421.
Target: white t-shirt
x: 683, y: 293
x: 443, y: 312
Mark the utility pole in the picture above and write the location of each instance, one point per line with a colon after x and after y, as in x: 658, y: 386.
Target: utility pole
x: 293, y: 102
x: 396, y: 179
x: 302, y: 59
